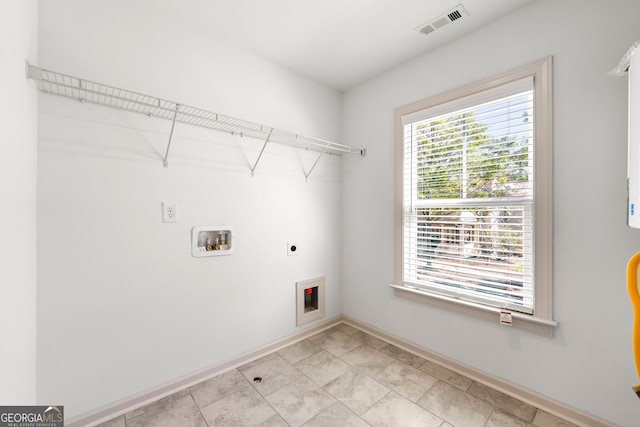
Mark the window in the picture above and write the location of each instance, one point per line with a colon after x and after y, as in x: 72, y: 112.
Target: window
x: 474, y: 186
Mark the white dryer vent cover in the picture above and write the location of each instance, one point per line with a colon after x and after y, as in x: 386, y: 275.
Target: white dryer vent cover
x: 453, y: 15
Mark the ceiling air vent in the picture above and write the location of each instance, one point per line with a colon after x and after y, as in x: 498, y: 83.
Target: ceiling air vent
x: 453, y: 15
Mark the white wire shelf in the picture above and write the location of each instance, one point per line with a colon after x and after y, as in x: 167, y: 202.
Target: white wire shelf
x: 97, y: 93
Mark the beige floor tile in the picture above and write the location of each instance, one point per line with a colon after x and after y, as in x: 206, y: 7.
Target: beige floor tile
x: 367, y: 359
x: 502, y: 419
x: 403, y: 355
x: 545, y: 419
x: 299, y: 351
x: 336, y: 415
x: 357, y: 391
x: 322, y: 367
x: 405, y: 380
x: 337, y: 343
x: 446, y: 375
x: 455, y: 406
x: 300, y: 401
x: 345, y: 329
x: 340, y: 377
x: 116, y: 422
x: 274, y: 374
x: 242, y: 408
x: 394, y: 410
x: 274, y: 421
x: 321, y: 334
x: 369, y: 340
x: 177, y: 409
x: 502, y: 401
x: 258, y: 361
x: 217, y: 387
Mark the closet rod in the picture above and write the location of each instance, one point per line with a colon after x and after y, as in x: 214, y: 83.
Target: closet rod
x: 88, y: 91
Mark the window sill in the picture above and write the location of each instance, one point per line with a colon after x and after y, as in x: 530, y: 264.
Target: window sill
x: 524, y: 321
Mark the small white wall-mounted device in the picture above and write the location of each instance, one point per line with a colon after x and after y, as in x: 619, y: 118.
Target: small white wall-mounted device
x: 633, y: 165
x: 216, y: 240
x: 630, y: 64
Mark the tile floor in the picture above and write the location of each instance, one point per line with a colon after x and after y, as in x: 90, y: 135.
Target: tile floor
x: 340, y: 377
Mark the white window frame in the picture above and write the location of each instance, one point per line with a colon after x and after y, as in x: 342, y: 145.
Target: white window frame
x: 541, y: 321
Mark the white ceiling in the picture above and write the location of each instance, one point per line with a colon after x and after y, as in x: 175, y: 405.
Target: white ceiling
x: 338, y: 43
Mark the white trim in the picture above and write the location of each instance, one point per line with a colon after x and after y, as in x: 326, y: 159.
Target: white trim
x: 544, y: 403
x: 544, y: 185
x: 120, y: 407
x: 542, y: 73
x: 521, y: 320
x: 500, y: 90
x: 128, y: 404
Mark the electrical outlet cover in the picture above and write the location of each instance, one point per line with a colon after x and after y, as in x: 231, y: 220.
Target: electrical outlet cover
x: 169, y: 212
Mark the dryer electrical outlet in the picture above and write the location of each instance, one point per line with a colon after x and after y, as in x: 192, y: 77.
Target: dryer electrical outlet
x: 292, y: 248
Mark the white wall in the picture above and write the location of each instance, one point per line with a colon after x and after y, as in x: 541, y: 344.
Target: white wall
x: 588, y: 363
x: 123, y: 306
x: 18, y: 24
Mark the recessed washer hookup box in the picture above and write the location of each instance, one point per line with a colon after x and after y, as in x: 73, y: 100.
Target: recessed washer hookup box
x: 212, y: 240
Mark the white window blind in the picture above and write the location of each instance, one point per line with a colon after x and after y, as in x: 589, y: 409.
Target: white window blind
x: 468, y: 197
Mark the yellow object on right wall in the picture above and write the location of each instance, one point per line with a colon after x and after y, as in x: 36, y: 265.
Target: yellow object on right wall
x: 634, y: 295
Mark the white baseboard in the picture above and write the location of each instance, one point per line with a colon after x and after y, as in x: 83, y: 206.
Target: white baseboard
x: 551, y: 406
x: 130, y: 403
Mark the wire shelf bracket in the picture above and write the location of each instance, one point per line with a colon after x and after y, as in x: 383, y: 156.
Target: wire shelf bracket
x: 173, y: 125
x: 266, y: 141
x: 306, y: 174
x: 97, y: 93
